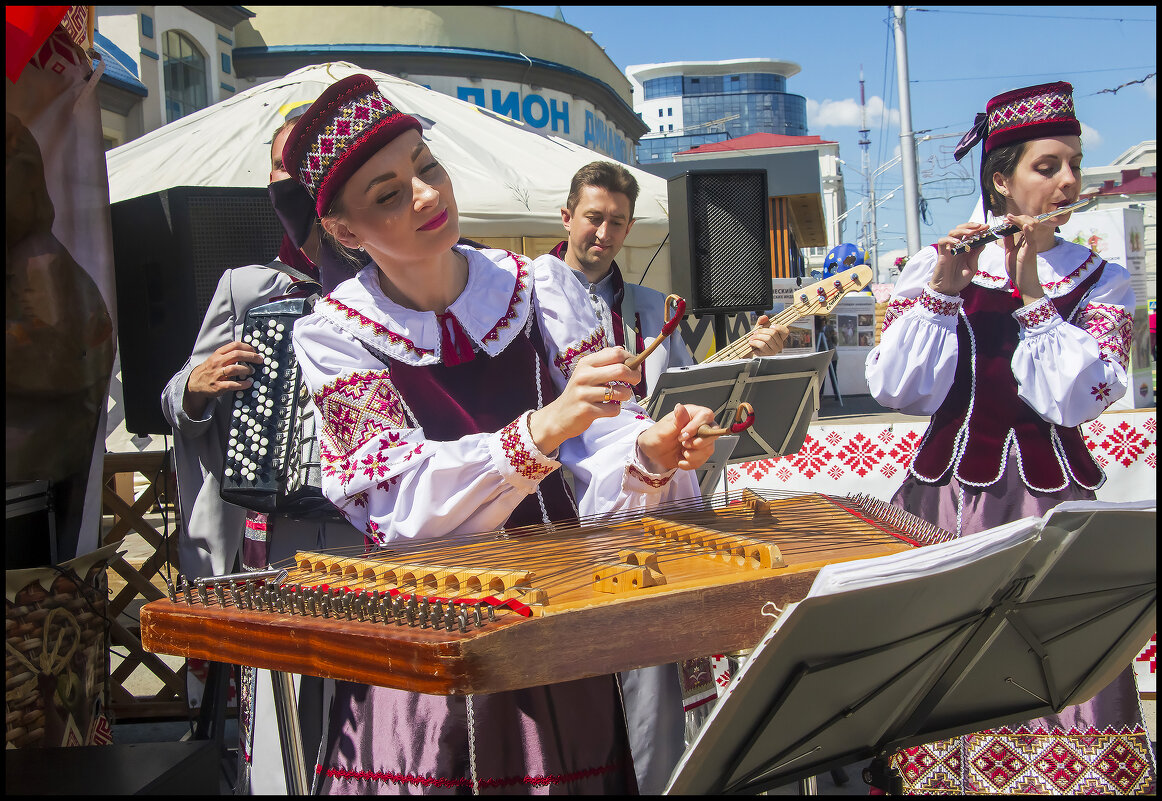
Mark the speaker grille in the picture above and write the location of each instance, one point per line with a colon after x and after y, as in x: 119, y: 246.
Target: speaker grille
x: 227, y: 232
x: 170, y: 249
x: 729, y: 228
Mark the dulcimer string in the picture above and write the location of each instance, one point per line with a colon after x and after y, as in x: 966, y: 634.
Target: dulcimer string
x: 816, y: 521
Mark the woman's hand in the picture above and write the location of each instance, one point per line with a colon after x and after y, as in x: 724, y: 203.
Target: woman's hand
x: 672, y: 442
x: 1021, y: 259
x: 954, y: 272
x: 226, y: 370
x: 590, y: 393
x: 767, y: 339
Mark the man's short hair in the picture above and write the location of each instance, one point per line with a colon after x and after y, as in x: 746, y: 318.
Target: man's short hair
x: 605, y: 175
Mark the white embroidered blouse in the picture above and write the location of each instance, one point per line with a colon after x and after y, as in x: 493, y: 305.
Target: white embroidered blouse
x: 1068, y: 371
x: 381, y: 471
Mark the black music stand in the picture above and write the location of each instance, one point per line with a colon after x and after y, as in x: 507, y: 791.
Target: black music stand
x: 783, y: 390
x: 1000, y: 627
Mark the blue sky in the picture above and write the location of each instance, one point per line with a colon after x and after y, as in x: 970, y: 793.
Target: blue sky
x: 958, y: 58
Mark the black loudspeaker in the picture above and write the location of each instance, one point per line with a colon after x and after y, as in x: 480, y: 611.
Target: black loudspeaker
x: 720, y: 253
x: 170, y: 249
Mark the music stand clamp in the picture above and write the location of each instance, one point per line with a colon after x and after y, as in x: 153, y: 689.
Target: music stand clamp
x: 992, y: 629
x: 783, y: 390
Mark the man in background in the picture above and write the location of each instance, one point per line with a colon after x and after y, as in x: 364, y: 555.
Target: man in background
x: 598, y: 215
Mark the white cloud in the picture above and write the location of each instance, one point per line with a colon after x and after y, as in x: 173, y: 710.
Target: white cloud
x: 846, y: 113
x: 1151, y: 88
x: 1090, y: 137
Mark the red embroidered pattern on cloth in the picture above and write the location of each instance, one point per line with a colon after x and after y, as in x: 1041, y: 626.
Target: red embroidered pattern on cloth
x: 938, y: 305
x: 519, y: 453
x: 1036, y: 313
x: 1024, y: 762
x: 376, y: 328
x: 440, y: 781
x: 357, y: 407
x: 896, y: 307
x: 522, y: 277
x: 591, y: 344
x: 1113, y: 329
x: 645, y: 478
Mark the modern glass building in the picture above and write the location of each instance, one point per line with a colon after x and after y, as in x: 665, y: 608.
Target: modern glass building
x: 691, y: 103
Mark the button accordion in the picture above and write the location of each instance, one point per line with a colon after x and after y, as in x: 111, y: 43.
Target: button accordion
x: 272, y: 452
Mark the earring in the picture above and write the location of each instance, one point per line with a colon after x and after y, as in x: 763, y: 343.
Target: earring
x: 360, y: 248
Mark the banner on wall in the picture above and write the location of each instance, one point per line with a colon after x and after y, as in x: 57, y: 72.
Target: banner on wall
x: 1118, y: 236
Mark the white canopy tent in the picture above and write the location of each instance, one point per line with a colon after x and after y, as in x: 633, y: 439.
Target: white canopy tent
x: 511, y: 180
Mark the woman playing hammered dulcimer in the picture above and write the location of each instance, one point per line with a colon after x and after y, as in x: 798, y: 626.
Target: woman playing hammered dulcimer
x: 452, y: 384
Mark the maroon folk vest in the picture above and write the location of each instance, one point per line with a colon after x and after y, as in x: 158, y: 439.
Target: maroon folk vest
x: 969, y: 431
x: 479, y: 393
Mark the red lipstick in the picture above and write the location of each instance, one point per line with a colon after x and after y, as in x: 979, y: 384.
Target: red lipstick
x: 435, y: 222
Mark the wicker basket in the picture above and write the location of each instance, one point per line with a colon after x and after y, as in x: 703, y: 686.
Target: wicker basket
x: 56, y: 666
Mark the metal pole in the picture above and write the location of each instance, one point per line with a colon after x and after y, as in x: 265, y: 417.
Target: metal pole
x: 875, y: 234
x: 289, y: 734
x: 907, y: 138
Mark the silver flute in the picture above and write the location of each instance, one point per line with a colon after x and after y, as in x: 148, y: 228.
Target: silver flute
x: 1004, y: 229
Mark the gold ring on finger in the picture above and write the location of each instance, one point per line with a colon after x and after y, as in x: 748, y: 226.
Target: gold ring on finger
x: 608, y: 393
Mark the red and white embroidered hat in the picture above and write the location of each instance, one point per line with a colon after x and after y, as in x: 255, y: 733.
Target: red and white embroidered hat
x: 348, y: 124
x: 1034, y: 112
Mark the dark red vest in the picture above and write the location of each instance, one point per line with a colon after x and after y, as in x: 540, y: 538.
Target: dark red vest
x: 485, y: 393
x: 968, y: 432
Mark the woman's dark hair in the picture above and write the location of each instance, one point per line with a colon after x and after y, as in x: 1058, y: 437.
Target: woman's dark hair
x: 1003, y: 159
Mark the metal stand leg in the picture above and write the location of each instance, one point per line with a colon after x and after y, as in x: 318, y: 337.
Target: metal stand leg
x: 289, y: 733
x: 808, y: 786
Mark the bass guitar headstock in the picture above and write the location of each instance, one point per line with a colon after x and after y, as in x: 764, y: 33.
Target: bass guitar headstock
x: 823, y: 296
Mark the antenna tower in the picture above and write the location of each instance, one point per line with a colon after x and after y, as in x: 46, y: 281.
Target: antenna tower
x: 867, y: 211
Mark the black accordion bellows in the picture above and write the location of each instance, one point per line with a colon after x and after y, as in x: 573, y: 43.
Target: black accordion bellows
x: 272, y: 451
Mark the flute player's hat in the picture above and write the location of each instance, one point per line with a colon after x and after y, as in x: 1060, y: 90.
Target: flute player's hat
x: 1035, y: 112
x: 348, y: 124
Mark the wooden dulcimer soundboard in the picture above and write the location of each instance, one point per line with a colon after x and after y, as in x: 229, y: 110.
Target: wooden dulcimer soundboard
x: 524, y: 607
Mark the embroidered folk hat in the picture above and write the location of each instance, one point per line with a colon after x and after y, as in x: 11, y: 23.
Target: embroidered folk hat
x: 348, y: 124
x: 1034, y: 112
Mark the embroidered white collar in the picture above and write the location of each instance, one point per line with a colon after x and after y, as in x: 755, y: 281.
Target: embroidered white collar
x: 492, y: 309
x: 1061, y: 268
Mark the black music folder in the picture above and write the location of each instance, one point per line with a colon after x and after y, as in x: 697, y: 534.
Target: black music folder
x: 995, y: 628
x: 783, y: 390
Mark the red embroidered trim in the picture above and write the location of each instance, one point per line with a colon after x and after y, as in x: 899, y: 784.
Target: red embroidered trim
x: 637, y: 473
x: 438, y: 781
x: 938, y: 305
x: 522, y: 275
x: 376, y: 328
x: 1042, y: 311
x: 896, y: 307
x: 591, y: 344
x: 519, y: 456
x: 1068, y: 281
